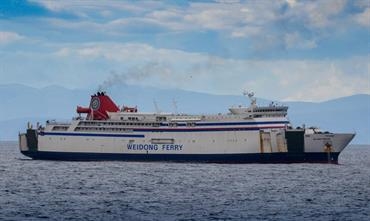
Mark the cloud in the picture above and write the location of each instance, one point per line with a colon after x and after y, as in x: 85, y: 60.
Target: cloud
x: 281, y: 24
x: 321, y: 81
x: 129, y: 53
x: 142, y: 64
x: 232, y: 18
x: 9, y: 37
x: 252, y: 20
x: 52, y: 5
x: 363, y: 18
x: 295, y: 40
x: 315, y: 14
x: 246, y: 31
x: 107, y: 7
x: 291, y: 3
x: 201, y: 46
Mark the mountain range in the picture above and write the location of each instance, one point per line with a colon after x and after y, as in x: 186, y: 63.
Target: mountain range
x: 21, y: 104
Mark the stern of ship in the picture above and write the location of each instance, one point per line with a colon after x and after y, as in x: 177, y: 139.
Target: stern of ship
x: 28, y: 143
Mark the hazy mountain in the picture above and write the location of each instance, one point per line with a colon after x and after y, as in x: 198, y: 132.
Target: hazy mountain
x: 20, y: 104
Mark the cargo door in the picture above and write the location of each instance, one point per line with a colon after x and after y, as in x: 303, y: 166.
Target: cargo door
x: 295, y: 141
x: 265, y: 142
x: 281, y: 143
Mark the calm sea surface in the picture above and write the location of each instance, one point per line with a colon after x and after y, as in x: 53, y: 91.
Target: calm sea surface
x: 34, y: 190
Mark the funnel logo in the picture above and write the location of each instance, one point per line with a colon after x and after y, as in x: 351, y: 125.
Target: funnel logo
x: 95, y: 103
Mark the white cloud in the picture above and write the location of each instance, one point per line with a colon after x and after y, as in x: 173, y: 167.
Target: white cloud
x: 214, y: 18
x: 291, y: 3
x: 294, y: 40
x: 63, y: 52
x: 52, y: 5
x: 323, y: 80
x: 263, y: 25
x: 246, y: 31
x: 235, y: 19
x: 363, y: 18
x: 333, y: 85
x: 129, y: 53
x: 316, y: 14
x: 8, y: 37
x: 308, y: 80
x: 79, y: 6
x: 255, y: 21
x: 76, y: 25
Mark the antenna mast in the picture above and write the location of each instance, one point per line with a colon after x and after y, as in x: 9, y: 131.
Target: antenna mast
x: 174, y: 102
x: 156, y: 106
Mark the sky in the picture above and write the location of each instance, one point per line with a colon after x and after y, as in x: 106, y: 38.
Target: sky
x: 285, y: 50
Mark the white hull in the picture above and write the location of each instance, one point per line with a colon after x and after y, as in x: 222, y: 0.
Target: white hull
x: 255, y: 134
x: 226, y: 141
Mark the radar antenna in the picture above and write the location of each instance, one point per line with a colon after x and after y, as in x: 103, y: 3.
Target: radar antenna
x: 174, y: 102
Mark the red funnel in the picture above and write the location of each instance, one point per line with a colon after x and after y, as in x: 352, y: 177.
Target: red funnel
x: 100, y: 105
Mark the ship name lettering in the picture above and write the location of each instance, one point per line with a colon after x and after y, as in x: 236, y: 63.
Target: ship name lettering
x: 155, y: 147
x: 142, y: 146
x: 172, y: 147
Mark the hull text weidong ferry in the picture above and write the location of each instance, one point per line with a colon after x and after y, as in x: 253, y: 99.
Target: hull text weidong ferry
x: 254, y: 134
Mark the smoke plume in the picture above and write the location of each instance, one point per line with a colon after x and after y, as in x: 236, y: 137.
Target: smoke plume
x: 138, y: 74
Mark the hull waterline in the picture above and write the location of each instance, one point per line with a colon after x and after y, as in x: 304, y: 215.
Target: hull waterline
x: 188, y: 158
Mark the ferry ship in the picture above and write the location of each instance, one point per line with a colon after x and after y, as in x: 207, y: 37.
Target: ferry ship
x: 253, y: 134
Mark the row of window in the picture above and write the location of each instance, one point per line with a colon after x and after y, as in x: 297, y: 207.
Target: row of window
x: 268, y: 110
x: 88, y: 123
x: 60, y: 128
x: 131, y: 118
x: 267, y: 115
x: 171, y: 124
x: 103, y: 129
x: 171, y: 141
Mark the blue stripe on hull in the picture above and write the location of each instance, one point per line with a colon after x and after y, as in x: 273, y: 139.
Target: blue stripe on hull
x: 157, y: 130
x: 200, y: 129
x: 241, y: 123
x: 230, y: 123
x: 89, y: 134
x: 195, y: 158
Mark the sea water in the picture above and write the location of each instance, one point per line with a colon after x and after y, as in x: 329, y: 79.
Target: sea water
x: 57, y: 190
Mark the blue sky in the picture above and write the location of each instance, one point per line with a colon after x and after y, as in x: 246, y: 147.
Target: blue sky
x: 283, y: 49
